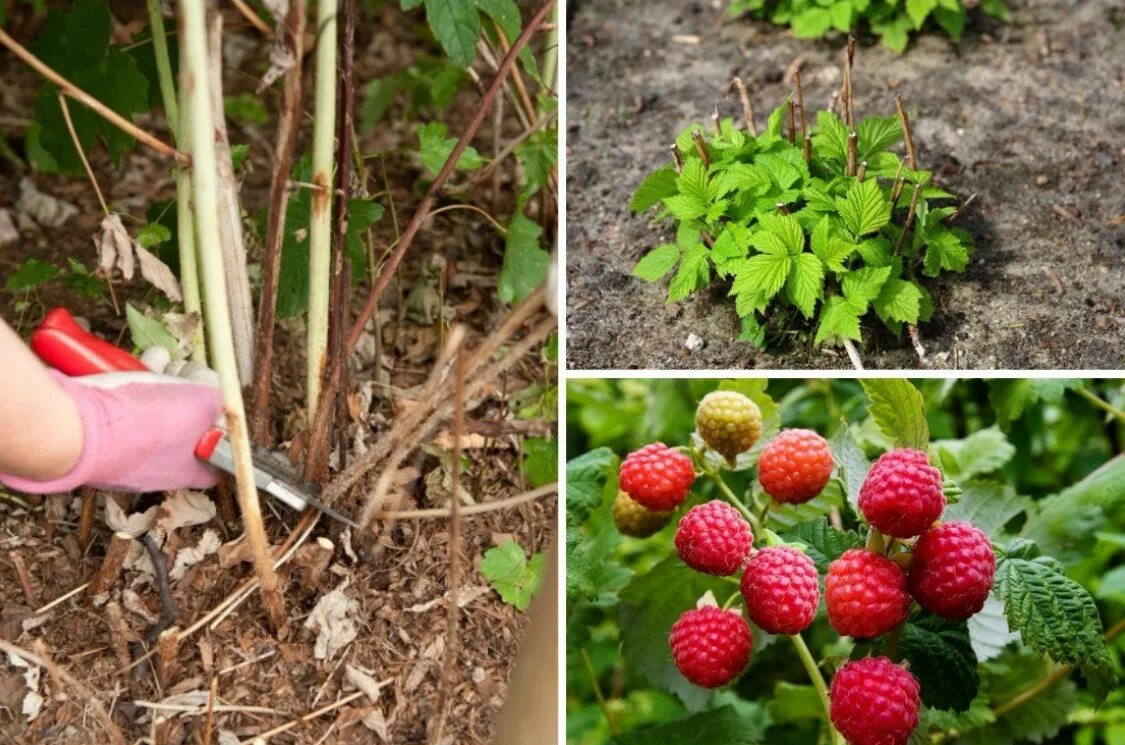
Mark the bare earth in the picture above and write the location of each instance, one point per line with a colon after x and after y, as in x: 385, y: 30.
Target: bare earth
x: 1027, y: 114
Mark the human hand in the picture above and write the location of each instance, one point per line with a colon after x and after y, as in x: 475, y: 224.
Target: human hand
x: 139, y: 431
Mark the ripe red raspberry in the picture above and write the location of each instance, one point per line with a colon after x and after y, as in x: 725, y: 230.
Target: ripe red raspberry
x: 729, y: 422
x: 874, y: 702
x: 795, y: 467
x: 951, y: 573
x: 713, y: 538
x: 634, y: 520
x: 657, y: 476
x: 710, y: 646
x: 865, y: 594
x: 901, y: 495
x: 781, y: 589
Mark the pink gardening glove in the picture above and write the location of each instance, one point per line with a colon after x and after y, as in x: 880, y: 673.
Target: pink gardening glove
x: 139, y: 433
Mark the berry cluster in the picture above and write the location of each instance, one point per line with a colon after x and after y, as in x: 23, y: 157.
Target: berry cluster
x: 947, y: 568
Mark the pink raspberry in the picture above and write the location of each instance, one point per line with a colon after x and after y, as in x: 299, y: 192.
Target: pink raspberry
x: 710, y: 646
x: 865, y: 594
x: 875, y: 702
x: 713, y: 538
x: 781, y: 589
x: 657, y: 477
x: 952, y: 570
x: 795, y: 466
x: 902, y: 495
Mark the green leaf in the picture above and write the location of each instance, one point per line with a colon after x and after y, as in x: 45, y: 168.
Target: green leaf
x: 862, y: 286
x: 787, y: 229
x: 30, y: 275
x: 435, y: 147
x: 839, y: 319
x: 538, y: 155
x: 841, y: 13
x: 511, y: 574
x: 153, y: 234
x: 542, y: 463
x: 988, y: 630
x: 525, y: 261
x: 1055, y: 616
x: 898, y: 410
x: 659, y: 185
x: 1010, y: 398
x: 456, y: 26
x: 730, y: 248
x: 586, y: 476
x: 865, y: 210
x: 658, y: 262
x: 851, y: 463
x: 793, y: 704
x: 147, y: 332
x: 694, y: 273
x: 812, y: 24
x: 831, y: 138
x: 987, y: 505
x: 760, y: 277
x: 899, y: 300
x: 81, y: 280
x: 918, y: 10
x: 876, y: 134
x: 648, y: 606
x: 953, y: 21
x: 723, y: 726
x: 942, y: 659
x: 685, y: 208
x: 246, y: 108
x: 944, y: 250
x: 823, y: 543
x: 76, y: 44
x: 984, y: 451
x: 805, y: 283
x: 1066, y: 523
x: 768, y: 243
x: 832, y: 249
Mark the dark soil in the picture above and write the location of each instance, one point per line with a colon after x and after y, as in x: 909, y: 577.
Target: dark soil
x: 398, y: 570
x: 1027, y: 114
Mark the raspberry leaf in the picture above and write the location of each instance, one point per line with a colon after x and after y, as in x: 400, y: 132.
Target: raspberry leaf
x: 899, y: 411
x: 694, y: 273
x: 851, y: 463
x: 984, y: 451
x: 722, y: 726
x: 988, y: 505
x: 586, y: 478
x: 988, y: 630
x: 823, y: 543
x: 1055, y: 615
x: 659, y: 185
x: 512, y: 574
x: 1066, y: 523
x: 649, y: 605
x: 864, y: 209
x: 941, y: 657
x: 805, y: 283
x: 831, y: 138
x: 657, y: 262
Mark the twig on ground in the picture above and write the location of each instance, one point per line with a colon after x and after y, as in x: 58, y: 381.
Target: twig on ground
x: 111, y: 565
x: 85, y: 531
x: 253, y: 18
x: 853, y: 354
x: 964, y: 205
x: 43, y: 659
x: 24, y: 577
x: 263, y: 736
x: 473, y: 509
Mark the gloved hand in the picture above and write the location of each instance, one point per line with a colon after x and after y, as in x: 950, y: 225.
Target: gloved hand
x: 139, y: 432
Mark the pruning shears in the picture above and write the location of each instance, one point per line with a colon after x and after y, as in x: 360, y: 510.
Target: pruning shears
x: 64, y: 345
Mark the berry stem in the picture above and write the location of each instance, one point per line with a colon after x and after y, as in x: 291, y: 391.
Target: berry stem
x: 730, y: 497
x: 875, y: 540
x: 1101, y: 403
x: 598, y: 692
x: 818, y: 683
x: 731, y: 600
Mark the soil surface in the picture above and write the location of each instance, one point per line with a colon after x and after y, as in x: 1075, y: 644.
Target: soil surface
x: 396, y: 573
x: 1028, y: 115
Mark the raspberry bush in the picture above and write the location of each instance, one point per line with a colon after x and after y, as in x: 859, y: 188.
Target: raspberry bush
x: 970, y: 618
x: 814, y: 222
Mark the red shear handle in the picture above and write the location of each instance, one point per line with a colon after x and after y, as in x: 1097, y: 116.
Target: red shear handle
x: 67, y: 347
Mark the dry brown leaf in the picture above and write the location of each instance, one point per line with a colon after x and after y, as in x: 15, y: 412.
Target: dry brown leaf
x: 115, y: 247
x: 134, y: 525
x: 332, y: 619
x: 32, y: 701
x: 377, y: 723
x: 158, y: 274
x: 43, y: 208
x: 363, y: 682
x: 192, y: 555
x: 184, y: 508
x: 235, y: 552
x: 8, y: 232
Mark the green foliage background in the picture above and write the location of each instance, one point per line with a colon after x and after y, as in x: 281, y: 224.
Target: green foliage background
x: 1033, y: 459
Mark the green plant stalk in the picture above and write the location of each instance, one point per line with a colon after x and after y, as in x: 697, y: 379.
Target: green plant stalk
x: 818, y: 683
x: 196, y: 82
x: 320, y: 222
x: 550, y: 62
x: 727, y: 493
x: 164, y: 68
x: 1100, y: 402
x: 592, y: 675
x: 185, y: 228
